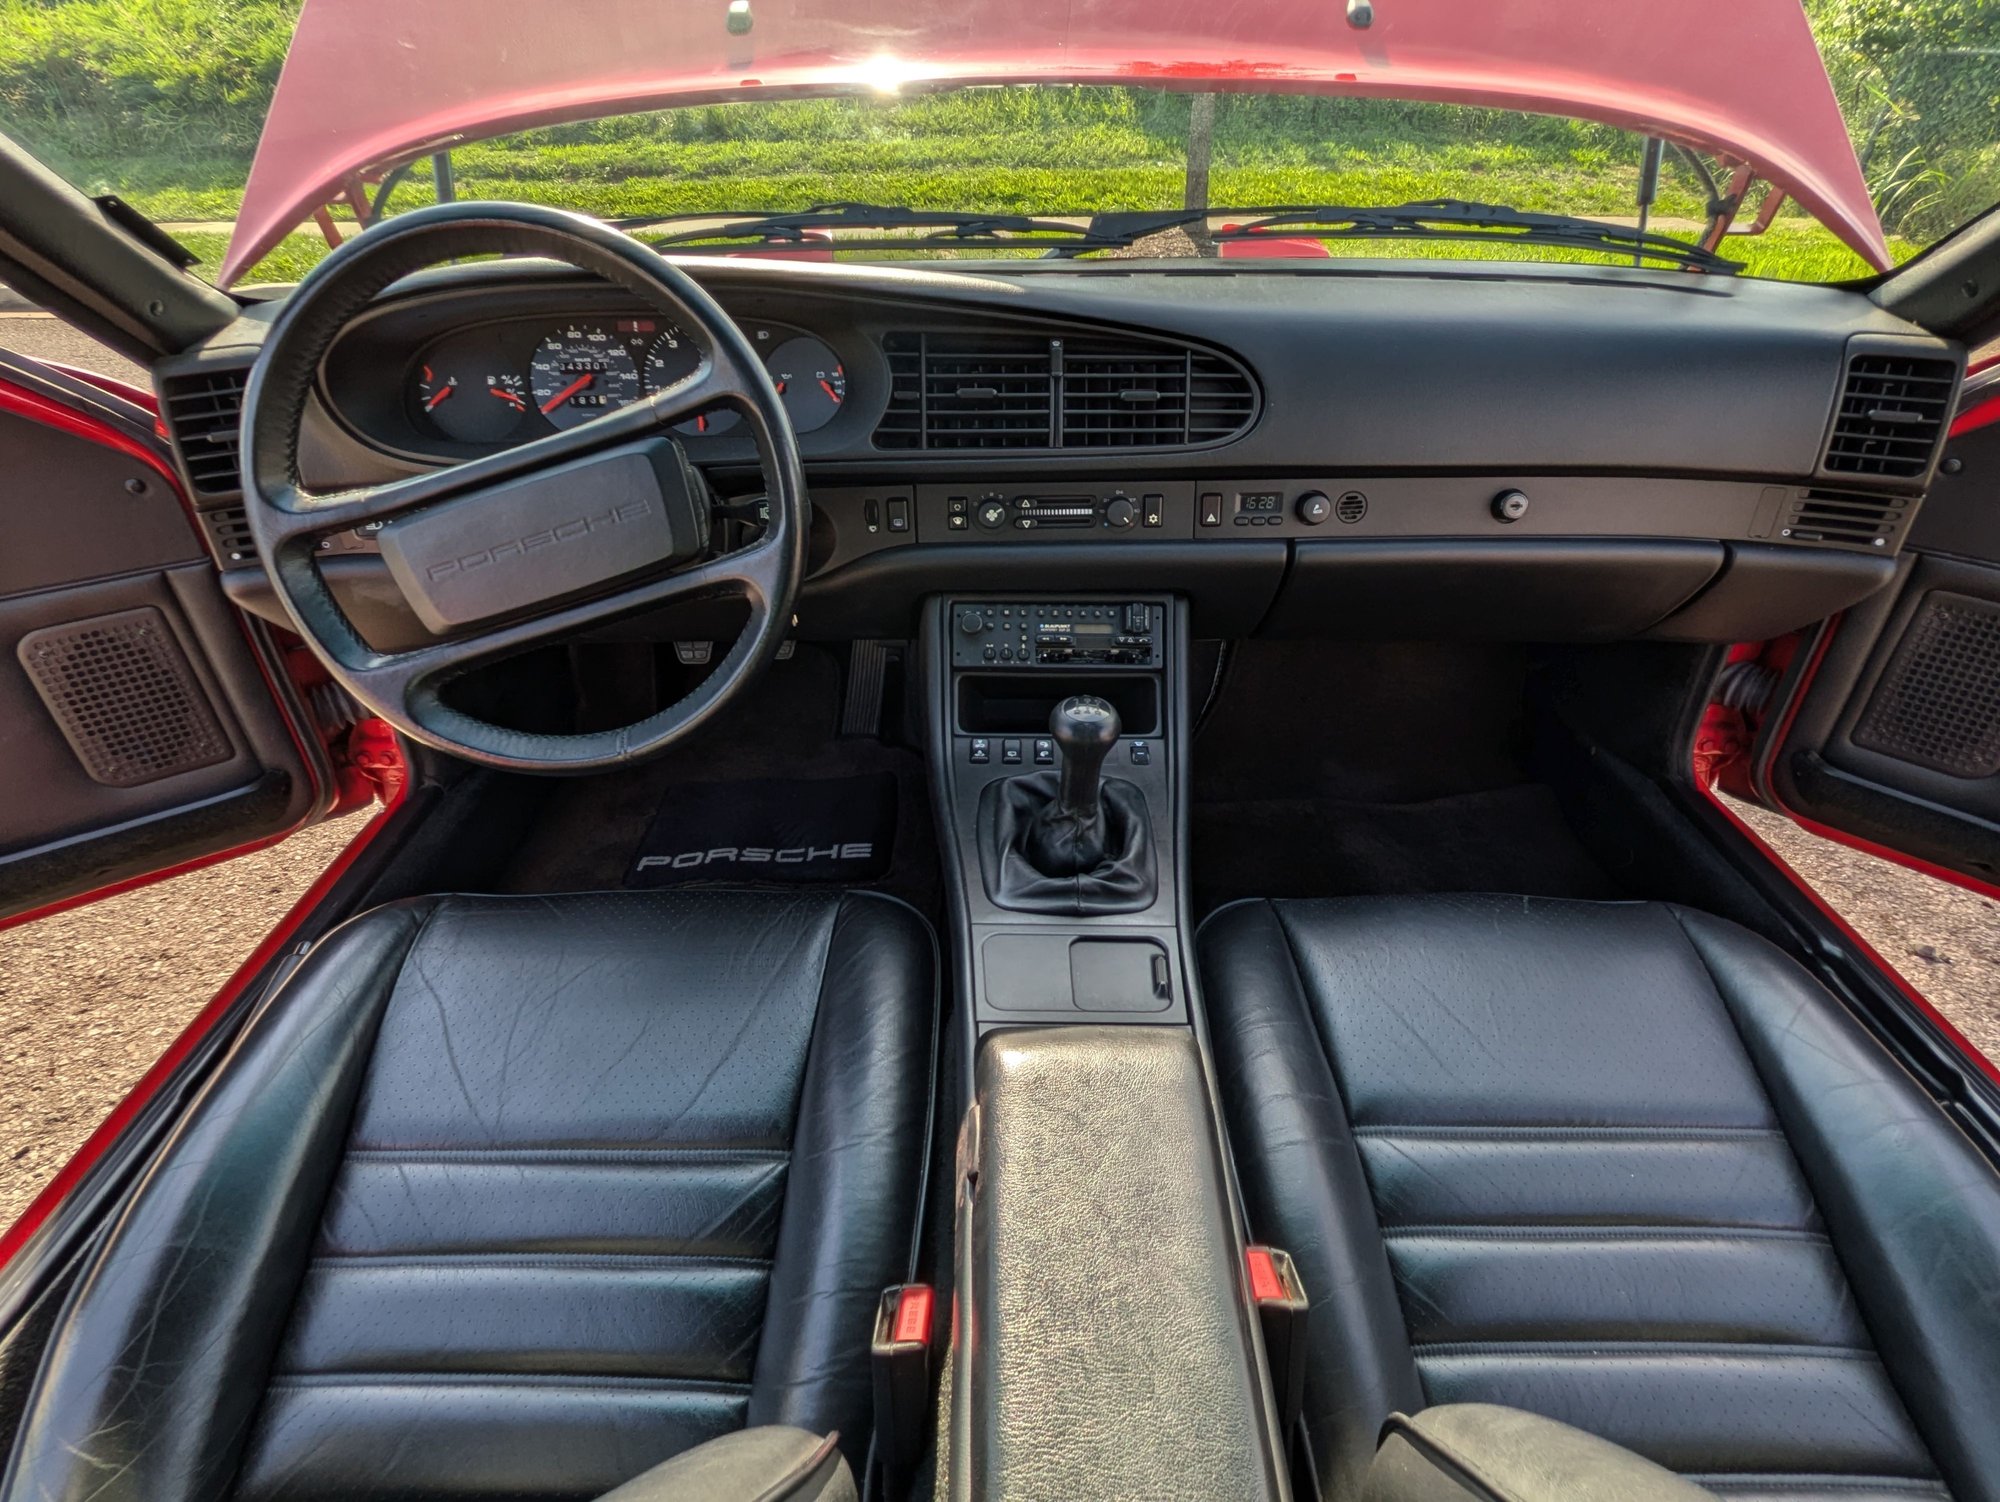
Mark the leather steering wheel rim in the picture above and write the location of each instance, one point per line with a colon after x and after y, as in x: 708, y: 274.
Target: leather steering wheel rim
x: 405, y: 688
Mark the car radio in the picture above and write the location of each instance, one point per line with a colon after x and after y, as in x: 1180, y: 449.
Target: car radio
x: 1057, y: 635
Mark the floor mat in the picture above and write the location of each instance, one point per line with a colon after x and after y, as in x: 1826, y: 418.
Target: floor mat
x: 769, y: 830
x: 785, y: 728
x: 1504, y: 840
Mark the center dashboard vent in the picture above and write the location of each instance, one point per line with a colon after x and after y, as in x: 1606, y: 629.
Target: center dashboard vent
x: 204, y: 413
x: 1892, y: 414
x: 1023, y: 391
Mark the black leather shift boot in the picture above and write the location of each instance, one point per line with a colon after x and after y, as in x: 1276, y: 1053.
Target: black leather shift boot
x: 1036, y: 861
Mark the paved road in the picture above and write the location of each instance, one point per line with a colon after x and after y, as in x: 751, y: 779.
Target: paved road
x: 41, y: 337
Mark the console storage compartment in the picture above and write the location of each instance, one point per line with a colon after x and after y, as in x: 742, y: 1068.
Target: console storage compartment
x: 1106, y: 1346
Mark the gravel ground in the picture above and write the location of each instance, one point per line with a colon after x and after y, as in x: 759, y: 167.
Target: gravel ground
x: 91, y: 997
x: 1944, y: 940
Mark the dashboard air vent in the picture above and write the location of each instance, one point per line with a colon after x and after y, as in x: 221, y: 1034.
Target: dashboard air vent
x: 949, y: 391
x: 229, y: 528
x: 1864, y: 520
x: 1892, y: 413
x: 1031, y: 392
x: 203, y: 413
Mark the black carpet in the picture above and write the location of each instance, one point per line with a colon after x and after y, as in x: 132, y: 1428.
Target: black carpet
x: 1343, y: 769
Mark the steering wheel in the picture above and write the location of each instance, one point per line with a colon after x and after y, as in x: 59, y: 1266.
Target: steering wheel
x: 539, y: 542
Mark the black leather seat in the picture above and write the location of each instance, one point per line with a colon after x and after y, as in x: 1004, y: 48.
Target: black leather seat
x: 1624, y: 1165
x: 513, y: 1197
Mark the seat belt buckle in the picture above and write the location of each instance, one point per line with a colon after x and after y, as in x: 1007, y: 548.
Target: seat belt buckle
x: 1281, y: 1314
x: 900, y: 1358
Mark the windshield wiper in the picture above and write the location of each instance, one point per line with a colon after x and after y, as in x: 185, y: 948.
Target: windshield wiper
x: 936, y: 227
x: 1455, y: 219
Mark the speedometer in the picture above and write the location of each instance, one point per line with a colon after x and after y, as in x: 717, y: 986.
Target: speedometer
x: 581, y: 371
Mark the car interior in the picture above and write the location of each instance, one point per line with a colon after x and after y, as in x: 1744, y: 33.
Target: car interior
x: 1028, y: 878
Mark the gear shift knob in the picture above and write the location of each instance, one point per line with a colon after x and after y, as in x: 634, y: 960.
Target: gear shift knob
x: 1085, y: 729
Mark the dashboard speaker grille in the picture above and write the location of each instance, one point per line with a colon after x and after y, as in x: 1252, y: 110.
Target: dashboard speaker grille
x: 1062, y: 393
x: 204, y: 415
x: 1938, y: 704
x: 1893, y: 410
x: 125, y: 697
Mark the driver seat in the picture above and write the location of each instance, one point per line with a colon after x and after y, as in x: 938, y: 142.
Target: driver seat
x: 512, y: 1197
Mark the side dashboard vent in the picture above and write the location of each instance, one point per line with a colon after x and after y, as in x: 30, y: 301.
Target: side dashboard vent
x: 204, y: 414
x: 229, y: 530
x: 1892, y: 414
x: 1031, y: 392
x: 1871, y: 521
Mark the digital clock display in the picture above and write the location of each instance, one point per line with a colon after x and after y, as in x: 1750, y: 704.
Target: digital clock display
x: 1261, y: 503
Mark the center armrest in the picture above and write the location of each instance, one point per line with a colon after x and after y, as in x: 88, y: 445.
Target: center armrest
x: 1106, y: 1345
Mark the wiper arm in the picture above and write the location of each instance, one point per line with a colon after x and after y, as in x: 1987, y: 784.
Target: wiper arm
x: 1455, y: 219
x: 946, y: 228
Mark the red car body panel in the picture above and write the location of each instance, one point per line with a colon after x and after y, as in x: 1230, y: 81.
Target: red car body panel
x: 371, y: 84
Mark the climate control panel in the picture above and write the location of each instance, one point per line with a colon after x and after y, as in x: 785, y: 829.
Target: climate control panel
x: 1060, y: 635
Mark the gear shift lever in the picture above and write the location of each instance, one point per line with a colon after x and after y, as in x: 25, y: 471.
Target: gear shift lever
x: 1070, y: 841
x: 1085, y: 728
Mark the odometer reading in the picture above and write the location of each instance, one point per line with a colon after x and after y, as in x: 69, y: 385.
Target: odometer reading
x: 580, y: 372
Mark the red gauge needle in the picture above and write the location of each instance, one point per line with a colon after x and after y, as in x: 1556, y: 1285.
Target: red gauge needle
x: 781, y: 388
x: 443, y: 392
x: 827, y: 387
x: 567, y: 392
x: 509, y: 398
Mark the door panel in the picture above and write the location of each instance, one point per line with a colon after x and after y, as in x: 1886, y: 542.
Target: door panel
x: 142, y: 725
x: 1896, y: 737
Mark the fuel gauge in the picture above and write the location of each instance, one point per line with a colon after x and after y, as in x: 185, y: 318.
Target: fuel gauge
x: 468, y: 400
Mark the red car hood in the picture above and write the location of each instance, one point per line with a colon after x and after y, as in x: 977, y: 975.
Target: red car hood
x: 370, y: 84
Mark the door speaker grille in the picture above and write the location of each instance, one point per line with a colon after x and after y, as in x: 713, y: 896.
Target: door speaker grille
x: 125, y: 697
x: 1938, y: 704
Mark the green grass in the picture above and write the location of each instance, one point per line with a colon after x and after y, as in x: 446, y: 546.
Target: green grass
x: 1792, y: 251
x: 1018, y: 150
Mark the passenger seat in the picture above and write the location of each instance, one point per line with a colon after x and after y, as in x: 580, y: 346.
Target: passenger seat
x: 1623, y: 1165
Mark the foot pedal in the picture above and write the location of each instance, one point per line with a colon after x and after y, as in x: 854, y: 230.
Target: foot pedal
x: 867, y: 676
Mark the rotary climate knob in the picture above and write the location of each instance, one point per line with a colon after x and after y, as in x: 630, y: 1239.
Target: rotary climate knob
x: 1120, y: 512
x: 971, y: 622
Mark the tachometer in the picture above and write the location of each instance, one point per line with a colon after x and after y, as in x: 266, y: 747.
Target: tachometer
x: 468, y: 399
x: 672, y: 358
x: 809, y: 377
x: 581, y: 371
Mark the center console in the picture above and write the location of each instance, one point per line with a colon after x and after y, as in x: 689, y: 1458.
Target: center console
x: 1093, y: 1204
x: 1058, y: 752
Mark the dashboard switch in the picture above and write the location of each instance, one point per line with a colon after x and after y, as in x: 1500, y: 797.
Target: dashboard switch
x: 899, y: 514
x: 1120, y: 512
x: 1314, y: 508
x: 1211, y: 508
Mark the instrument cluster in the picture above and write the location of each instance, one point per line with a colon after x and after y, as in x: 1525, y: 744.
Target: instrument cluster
x: 506, y: 383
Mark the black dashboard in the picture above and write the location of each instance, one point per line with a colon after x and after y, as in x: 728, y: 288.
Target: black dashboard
x: 1389, y: 448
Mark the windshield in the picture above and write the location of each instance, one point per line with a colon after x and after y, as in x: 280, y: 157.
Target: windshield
x: 165, y: 103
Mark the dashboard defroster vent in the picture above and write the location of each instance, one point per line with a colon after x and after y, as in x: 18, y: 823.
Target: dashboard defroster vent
x: 1864, y: 520
x: 204, y: 413
x: 1893, y: 410
x: 1062, y: 393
